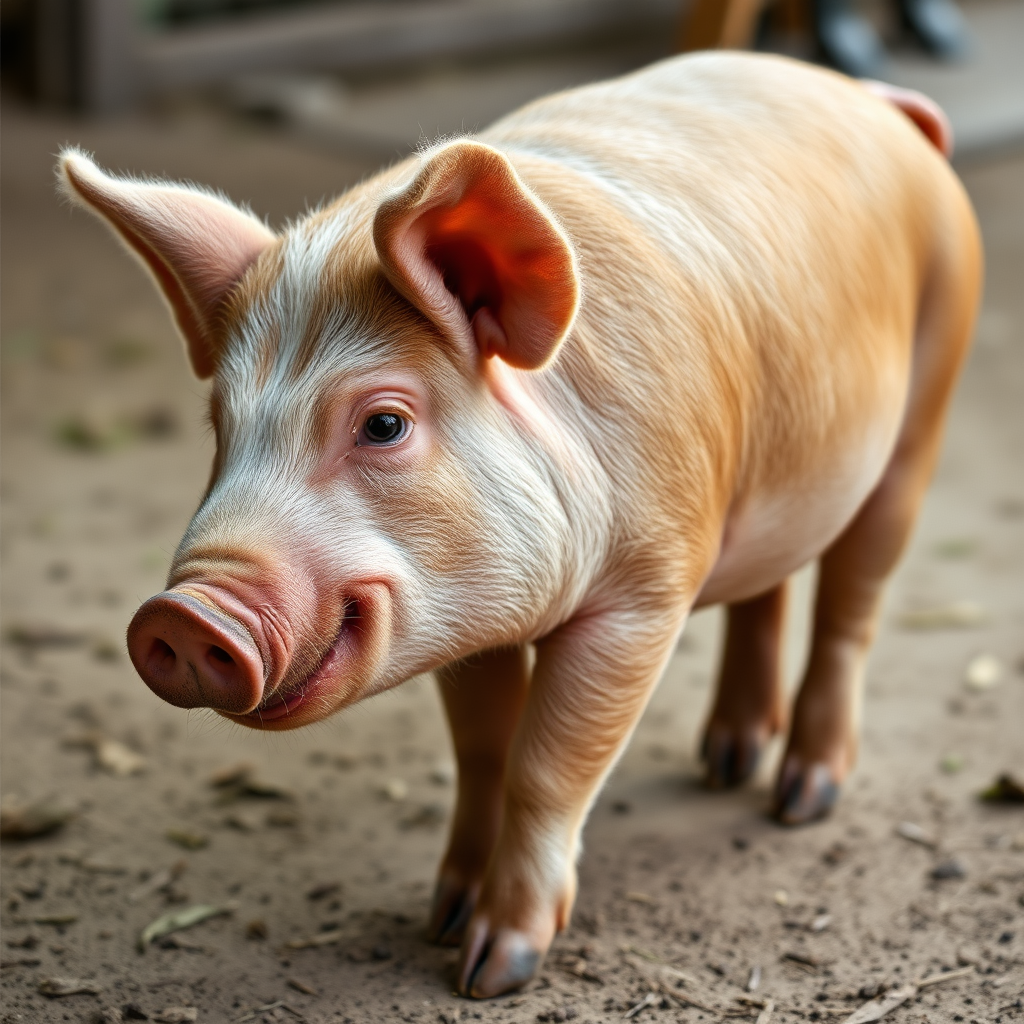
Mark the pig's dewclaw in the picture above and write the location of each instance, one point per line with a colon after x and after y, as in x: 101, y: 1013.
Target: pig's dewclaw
x: 454, y: 900
x: 804, y: 793
x: 730, y: 758
x: 494, y: 964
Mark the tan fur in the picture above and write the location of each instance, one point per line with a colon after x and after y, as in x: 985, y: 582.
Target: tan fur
x: 777, y: 279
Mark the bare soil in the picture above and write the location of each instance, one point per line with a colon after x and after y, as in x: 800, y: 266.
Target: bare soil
x: 105, y: 453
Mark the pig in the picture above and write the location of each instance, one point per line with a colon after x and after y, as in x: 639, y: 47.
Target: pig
x: 511, y: 409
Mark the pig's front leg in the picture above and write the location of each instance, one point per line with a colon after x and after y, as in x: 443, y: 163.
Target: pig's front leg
x: 483, y: 697
x: 590, y: 685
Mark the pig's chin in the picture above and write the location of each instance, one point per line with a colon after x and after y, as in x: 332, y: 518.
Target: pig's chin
x: 321, y: 693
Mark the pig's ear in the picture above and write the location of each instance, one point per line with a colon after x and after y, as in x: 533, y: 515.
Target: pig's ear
x: 468, y: 244
x: 196, y: 245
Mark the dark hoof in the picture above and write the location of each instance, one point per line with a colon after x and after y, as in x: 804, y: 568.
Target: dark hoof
x: 729, y: 760
x: 451, y: 910
x: 804, y: 793
x: 494, y: 964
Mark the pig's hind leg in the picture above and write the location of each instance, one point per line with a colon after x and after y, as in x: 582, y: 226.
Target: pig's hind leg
x: 483, y: 697
x: 748, y: 709
x: 825, y: 722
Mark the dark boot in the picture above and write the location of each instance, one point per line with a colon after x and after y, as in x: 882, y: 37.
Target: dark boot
x: 846, y: 40
x: 937, y: 25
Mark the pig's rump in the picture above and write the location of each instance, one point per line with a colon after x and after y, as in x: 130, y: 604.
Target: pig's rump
x: 754, y: 237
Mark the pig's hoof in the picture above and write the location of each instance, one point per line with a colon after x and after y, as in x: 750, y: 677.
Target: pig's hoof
x: 492, y: 964
x: 453, y: 905
x: 804, y: 793
x: 730, y: 758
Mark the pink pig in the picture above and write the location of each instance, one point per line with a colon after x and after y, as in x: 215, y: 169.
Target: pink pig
x: 514, y: 407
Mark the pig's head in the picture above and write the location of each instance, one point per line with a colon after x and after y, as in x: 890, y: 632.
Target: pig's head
x: 379, y: 502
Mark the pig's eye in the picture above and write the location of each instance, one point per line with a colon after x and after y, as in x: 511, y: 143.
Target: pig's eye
x: 383, y: 428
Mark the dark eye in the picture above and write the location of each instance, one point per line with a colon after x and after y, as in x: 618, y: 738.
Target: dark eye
x: 383, y: 428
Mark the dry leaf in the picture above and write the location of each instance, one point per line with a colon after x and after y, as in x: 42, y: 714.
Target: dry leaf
x: 323, y: 939
x: 118, y: 759
x: 26, y: 821
x: 958, y: 615
x: 639, y: 897
x: 180, y: 919
x: 186, y: 839
x: 56, y: 987
x: 395, y: 789
x: 110, y: 755
x: 177, y: 1015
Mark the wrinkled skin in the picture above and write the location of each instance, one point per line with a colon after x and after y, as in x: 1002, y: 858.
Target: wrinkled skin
x: 511, y: 409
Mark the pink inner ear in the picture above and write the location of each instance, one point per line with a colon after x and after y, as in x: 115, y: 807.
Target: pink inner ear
x: 478, y: 254
x: 468, y: 271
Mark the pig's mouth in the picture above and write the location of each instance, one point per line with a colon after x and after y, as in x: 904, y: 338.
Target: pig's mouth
x: 282, y: 703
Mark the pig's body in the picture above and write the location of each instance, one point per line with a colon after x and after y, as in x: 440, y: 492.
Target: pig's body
x: 657, y: 343
x: 708, y: 209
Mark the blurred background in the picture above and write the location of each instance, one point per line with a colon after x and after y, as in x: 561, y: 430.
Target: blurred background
x: 377, y: 74
x: 112, y: 812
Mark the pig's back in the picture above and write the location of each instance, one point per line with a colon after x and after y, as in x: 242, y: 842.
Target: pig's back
x: 753, y: 236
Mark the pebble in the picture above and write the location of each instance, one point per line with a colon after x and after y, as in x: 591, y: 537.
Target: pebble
x: 948, y: 869
x: 983, y: 672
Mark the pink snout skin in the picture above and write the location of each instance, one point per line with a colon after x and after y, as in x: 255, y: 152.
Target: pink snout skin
x: 193, y: 656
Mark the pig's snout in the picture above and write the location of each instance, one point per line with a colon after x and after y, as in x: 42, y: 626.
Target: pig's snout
x: 194, y: 656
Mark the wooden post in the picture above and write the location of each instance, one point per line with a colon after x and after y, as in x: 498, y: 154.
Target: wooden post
x: 108, y: 78
x: 720, y: 24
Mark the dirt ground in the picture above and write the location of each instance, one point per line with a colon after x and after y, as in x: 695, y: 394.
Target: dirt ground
x: 105, y: 453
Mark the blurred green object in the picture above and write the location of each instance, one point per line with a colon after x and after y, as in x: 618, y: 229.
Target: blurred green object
x: 1005, y: 790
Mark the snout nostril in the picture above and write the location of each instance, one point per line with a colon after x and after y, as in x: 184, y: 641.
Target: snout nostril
x: 219, y: 654
x: 162, y: 653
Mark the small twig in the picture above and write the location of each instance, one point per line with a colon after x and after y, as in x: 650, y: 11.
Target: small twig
x: 937, y: 979
x: 681, y: 975
x: 876, y: 1009
x: 685, y: 1000
x: 766, y: 1014
x: 257, y: 1010
x: 648, y: 1000
x: 323, y: 939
